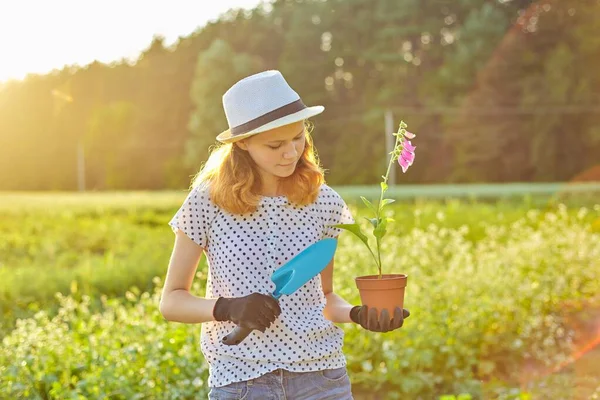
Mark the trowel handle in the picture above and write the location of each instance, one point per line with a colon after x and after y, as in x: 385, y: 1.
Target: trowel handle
x: 238, y: 334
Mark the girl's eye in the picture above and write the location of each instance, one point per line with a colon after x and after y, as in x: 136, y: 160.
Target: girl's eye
x: 276, y: 147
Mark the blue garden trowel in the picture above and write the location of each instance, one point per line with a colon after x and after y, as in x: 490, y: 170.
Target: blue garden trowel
x: 291, y: 276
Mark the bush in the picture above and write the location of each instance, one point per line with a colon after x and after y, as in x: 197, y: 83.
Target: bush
x: 126, y: 351
x: 485, y: 300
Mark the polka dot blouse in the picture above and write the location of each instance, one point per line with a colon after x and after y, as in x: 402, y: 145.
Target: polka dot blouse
x: 242, y: 252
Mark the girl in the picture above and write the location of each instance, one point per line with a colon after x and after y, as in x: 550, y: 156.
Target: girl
x: 258, y: 201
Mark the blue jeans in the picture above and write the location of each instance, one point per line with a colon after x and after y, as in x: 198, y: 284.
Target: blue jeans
x: 280, y: 384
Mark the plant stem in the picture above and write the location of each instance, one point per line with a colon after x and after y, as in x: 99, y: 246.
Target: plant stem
x: 387, y: 173
x: 379, y: 255
x: 379, y: 207
x: 374, y: 258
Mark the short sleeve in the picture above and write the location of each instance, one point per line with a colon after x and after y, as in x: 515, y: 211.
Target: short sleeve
x: 334, y: 211
x: 195, y: 216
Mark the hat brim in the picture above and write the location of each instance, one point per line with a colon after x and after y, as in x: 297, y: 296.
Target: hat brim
x: 226, y: 137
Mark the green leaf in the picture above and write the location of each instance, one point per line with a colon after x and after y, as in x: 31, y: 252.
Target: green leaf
x: 373, y: 221
x: 384, y: 186
x: 385, y: 202
x: 380, y: 230
x: 369, y: 204
x: 355, y: 229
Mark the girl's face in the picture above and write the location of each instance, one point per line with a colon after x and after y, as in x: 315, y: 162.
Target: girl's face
x: 276, y: 152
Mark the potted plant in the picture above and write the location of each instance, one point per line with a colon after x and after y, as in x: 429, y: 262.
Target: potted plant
x: 383, y: 290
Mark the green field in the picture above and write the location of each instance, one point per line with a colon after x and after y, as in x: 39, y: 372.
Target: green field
x: 502, y: 293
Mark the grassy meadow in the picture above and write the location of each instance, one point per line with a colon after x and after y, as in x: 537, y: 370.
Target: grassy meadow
x: 504, y: 297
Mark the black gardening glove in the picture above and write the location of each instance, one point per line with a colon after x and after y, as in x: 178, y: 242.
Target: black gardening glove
x: 371, y: 321
x: 255, y: 311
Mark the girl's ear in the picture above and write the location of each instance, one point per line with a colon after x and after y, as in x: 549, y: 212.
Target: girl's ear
x: 241, y: 144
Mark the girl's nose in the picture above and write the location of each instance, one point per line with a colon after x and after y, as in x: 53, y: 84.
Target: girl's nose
x: 291, y: 152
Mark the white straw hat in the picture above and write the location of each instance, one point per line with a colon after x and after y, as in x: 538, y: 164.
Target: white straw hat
x: 262, y: 102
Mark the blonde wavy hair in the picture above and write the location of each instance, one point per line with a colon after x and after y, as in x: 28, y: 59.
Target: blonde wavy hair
x: 234, y: 180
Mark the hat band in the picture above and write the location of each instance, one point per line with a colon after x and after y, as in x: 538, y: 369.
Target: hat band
x: 288, y: 109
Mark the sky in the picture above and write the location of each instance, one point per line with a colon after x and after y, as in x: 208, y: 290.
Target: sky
x: 37, y: 36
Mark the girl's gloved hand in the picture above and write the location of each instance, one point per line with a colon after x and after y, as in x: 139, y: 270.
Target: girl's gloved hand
x: 370, y: 320
x: 255, y: 311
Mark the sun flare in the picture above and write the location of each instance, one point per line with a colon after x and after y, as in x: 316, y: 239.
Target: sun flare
x: 39, y: 36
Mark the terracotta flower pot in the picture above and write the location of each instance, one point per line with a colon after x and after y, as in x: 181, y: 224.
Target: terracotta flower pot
x: 387, y: 292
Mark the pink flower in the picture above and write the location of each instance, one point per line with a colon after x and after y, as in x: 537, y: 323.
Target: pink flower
x: 409, y: 135
x: 403, y: 163
x: 407, y: 155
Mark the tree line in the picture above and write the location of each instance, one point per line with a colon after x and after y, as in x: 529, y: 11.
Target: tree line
x: 496, y: 91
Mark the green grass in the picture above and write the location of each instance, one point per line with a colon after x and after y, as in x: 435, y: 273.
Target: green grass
x: 487, y: 283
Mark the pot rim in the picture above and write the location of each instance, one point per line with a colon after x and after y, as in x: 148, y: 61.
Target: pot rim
x: 383, y: 276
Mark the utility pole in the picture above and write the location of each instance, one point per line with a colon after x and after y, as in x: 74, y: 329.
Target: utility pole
x: 390, y: 141
x: 60, y: 100
x: 80, y: 166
